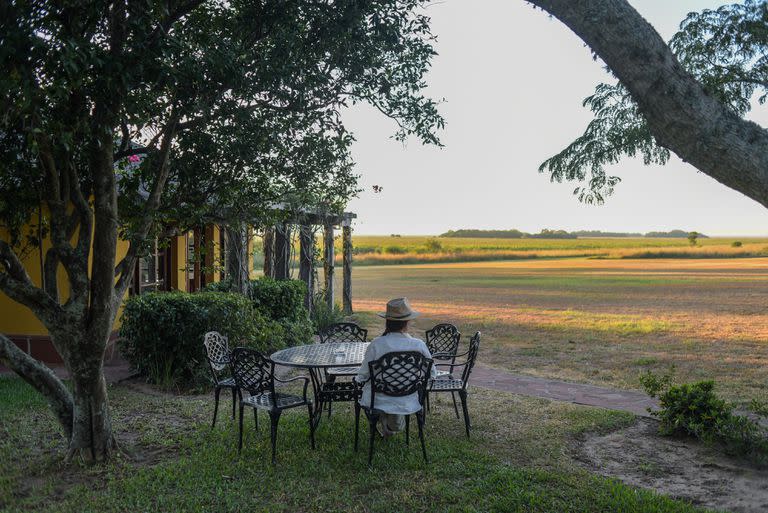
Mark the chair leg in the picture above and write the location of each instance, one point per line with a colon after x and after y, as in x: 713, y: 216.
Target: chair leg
x: 274, y: 418
x: 234, y: 402
x: 240, y: 432
x: 372, y: 421
x: 407, y: 429
x: 216, y: 406
x: 455, y: 408
x: 420, y: 421
x: 467, y: 425
x: 426, y: 399
x: 256, y: 418
x: 329, y: 408
x: 357, y: 423
x: 311, y: 426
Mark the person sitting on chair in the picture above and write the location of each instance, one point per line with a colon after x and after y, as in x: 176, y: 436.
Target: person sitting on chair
x: 395, y: 338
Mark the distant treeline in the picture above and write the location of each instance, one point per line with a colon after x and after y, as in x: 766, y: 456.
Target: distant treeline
x: 560, y: 234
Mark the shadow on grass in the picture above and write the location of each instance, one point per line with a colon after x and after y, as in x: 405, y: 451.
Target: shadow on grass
x: 202, y: 471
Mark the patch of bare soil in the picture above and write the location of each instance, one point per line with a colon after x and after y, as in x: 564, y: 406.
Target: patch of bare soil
x: 682, y: 469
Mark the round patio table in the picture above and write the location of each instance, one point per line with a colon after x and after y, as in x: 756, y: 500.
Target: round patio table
x: 318, y: 357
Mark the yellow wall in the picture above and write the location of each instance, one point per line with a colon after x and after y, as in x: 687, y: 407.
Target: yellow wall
x: 17, y: 319
x: 178, y: 251
x: 252, y: 273
x: 212, y: 253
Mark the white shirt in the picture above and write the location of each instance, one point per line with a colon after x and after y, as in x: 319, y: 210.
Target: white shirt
x: 391, y: 342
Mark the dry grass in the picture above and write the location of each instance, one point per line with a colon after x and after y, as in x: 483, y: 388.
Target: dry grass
x: 379, y: 250
x: 598, y: 321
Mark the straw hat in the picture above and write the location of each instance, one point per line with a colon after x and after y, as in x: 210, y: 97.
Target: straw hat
x: 399, y: 309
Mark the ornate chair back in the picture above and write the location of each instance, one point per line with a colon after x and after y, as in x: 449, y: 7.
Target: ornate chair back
x: 343, y: 332
x: 399, y: 374
x: 217, y: 352
x: 443, y: 339
x: 253, y: 372
x: 474, y: 347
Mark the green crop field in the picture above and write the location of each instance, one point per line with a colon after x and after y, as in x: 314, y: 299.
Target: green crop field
x: 378, y: 250
x: 414, y: 249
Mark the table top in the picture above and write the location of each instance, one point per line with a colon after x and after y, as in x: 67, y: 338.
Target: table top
x: 330, y: 354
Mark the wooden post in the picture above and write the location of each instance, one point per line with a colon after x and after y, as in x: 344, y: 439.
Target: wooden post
x: 306, y: 261
x: 282, y: 251
x: 328, y: 263
x: 347, y: 270
x: 269, y: 251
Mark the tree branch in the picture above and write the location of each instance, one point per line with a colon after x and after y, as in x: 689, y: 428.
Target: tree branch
x: 124, y: 270
x: 42, y: 379
x: 681, y: 115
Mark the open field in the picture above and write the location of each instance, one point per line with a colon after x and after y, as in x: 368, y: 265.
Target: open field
x: 418, y: 249
x: 381, y: 250
x: 597, y: 321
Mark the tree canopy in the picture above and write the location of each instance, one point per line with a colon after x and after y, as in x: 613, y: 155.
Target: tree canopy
x: 124, y: 119
x: 725, y: 50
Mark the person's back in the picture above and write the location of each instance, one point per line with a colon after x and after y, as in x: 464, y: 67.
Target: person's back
x: 394, y: 339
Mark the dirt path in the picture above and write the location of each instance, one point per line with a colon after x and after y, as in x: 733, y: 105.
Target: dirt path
x: 682, y: 469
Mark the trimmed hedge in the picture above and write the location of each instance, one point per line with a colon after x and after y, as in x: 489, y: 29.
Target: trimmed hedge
x: 278, y: 299
x: 162, y: 332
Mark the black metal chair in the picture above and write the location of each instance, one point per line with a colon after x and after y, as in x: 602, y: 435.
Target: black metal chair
x: 459, y: 385
x: 218, y: 356
x: 331, y: 390
x: 396, y: 374
x: 255, y: 374
x: 443, y: 343
x: 343, y: 332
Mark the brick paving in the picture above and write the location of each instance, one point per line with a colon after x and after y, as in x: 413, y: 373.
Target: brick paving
x: 590, y: 395
x: 494, y: 379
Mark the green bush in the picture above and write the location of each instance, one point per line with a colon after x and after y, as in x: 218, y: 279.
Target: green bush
x: 433, y: 246
x: 395, y: 250
x: 322, y: 315
x: 736, y: 244
x: 161, y: 334
x: 279, y: 299
x: 694, y: 409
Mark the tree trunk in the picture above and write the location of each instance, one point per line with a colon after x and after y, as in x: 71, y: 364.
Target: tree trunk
x: 237, y: 258
x: 84, y: 413
x: 681, y: 115
x: 92, y: 425
x: 269, y: 251
x: 83, y: 354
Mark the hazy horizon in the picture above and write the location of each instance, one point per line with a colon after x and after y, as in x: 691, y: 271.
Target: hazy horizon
x: 513, y: 80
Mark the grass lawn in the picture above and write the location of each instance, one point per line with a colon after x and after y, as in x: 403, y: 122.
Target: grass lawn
x: 597, y: 321
x: 519, y: 459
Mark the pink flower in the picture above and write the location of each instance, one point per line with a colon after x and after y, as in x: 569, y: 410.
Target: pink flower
x: 134, y: 158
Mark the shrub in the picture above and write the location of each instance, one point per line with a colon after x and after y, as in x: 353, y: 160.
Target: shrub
x: 736, y: 244
x: 162, y: 333
x: 219, y: 286
x: 281, y: 301
x: 322, y: 315
x: 433, y: 246
x: 395, y: 250
x: 694, y: 409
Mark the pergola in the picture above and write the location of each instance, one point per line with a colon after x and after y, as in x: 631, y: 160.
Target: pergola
x: 278, y: 246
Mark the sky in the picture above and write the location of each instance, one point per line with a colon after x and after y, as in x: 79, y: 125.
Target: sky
x: 513, y: 80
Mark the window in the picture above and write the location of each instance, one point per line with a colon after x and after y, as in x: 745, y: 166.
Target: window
x: 152, y: 270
